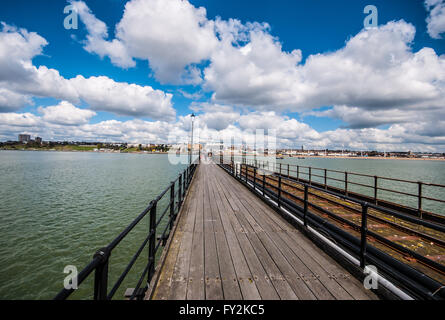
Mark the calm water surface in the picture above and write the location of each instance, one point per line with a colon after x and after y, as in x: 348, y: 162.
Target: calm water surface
x: 58, y: 208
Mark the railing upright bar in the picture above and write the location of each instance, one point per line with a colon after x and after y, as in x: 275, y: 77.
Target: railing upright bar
x: 152, y: 242
x: 419, y: 199
x: 180, y: 191
x: 279, y: 191
x: 310, y: 175
x: 298, y: 173
x: 288, y: 175
x: 101, y: 275
x: 346, y: 183
x: 375, y: 189
x: 264, y: 183
x: 254, y: 178
x: 172, y: 205
x: 364, y: 231
x: 325, y: 179
x: 306, y: 193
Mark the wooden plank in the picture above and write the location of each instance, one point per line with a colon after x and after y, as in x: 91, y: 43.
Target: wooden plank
x: 195, y: 286
x: 265, y: 287
x: 213, y: 286
x: 230, y: 284
x: 245, y: 278
x: 182, y: 266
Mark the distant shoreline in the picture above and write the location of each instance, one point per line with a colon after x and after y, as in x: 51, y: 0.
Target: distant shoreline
x: 284, y: 157
x: 86, y: 151
x: 376, y: 158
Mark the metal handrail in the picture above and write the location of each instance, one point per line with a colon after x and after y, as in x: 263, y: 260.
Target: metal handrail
x: 101, y: 258
x: 374, y: 186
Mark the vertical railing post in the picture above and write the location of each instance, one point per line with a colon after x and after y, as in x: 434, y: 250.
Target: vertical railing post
x: 245, y: 167
x: 101, y: 275
x: 419, y: 198
x: 325, y: 178
x: 279, y: 191
x: 375, y: 189
x: 288, y: 175
x: 346, y: 183
x: 310, y: 175
x: 180, y: 191
x: 152, y: 243
x: 254, y: 178
x: 184, y: 189
x: 172, y: 205
x: 264, y: 183
x: 298, y: 173
x: 364, y: 231
x: 280, y: 169
x: 306, y: 197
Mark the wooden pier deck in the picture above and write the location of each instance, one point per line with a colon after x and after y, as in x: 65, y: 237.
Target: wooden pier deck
x: 228, y: 244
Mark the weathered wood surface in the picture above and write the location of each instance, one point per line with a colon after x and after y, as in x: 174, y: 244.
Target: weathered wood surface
x: 229, y: 245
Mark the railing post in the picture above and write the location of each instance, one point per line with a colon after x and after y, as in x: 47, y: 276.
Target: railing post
x: 172, y: 205
x: 364, y: 231
x: 264, y: 183
x: 325, y: 178
x: 298, y: 173
x: 180, y: 191
x: 184, y: 189
x: 288, y: 175
x: 245, y: 167
x: 419, y: 199
x: 310, y: 175
x: 101, y: 275
x: 280, y: 169
x: 152, y: 242
x: 346, y: 183
x: 254, y: 178
x: 306, y: 194
x: 375, y: 189
x: 279, y: 191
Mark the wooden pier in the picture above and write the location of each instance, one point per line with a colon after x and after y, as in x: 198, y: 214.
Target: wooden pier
x: 228, y: 244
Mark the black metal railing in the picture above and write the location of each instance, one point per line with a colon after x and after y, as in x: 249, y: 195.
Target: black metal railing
x: 176, y: 192
x: 412, y: 280
x: 377, y: 191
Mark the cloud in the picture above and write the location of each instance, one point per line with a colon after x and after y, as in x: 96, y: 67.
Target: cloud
x: 20, y: 80
x: 172, y: 35
x: 11, y: 101
x: 375, y: 70
x: 66, y: 114
x: 96, y: 39
x: 290, y: 132
x: 103, y: 93
x: 436, y: 18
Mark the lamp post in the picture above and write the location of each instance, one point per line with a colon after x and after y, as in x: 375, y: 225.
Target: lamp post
x: 191, y: 144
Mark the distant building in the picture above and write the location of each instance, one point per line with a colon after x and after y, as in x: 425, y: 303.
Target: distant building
x: 24, y: 138
x: 38, y: 140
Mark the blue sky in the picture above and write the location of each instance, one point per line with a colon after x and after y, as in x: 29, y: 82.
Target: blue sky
x: 314, y: 27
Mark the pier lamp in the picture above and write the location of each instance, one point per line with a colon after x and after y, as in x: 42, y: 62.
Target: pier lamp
x: 191, y: 144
